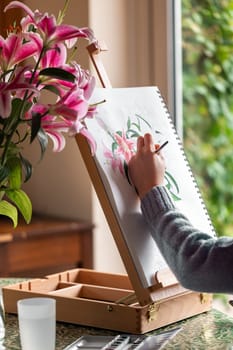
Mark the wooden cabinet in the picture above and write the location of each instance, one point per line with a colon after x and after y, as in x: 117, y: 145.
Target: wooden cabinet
x: 46, y: 245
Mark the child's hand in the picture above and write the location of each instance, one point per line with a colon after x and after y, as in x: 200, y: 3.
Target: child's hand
x: 146, y: 168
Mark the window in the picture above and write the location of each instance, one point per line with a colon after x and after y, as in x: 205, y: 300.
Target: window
x: 208, y: 103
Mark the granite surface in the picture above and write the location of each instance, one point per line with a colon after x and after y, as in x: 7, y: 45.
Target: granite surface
x: 210, y: 330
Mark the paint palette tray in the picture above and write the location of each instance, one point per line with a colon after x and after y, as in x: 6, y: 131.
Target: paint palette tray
x: 123, y: 342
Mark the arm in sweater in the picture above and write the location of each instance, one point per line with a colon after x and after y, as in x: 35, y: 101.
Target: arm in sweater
x: 199, y: 261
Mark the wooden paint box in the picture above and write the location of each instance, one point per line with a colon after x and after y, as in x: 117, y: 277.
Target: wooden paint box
x: 106, y: 300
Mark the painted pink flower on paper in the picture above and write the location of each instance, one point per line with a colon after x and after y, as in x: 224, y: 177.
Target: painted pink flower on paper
x: 125, y: 147
x: 122, y: 150
x: 116, y: 162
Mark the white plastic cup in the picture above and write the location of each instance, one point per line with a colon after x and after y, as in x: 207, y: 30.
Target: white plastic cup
x: 37, y: 323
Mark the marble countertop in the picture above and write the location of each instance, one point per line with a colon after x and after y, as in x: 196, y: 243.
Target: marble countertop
x: 207, y: 331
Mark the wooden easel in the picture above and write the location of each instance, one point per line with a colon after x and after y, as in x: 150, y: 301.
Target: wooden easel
x: 164, y: 279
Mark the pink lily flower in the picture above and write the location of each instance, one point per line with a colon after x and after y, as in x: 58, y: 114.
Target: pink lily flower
x: 92, y: 111
x: 58, y: 140
x: 85, y: 80
x: 72, y: 105
x: 51, y: 32
x: 51, y: 125
x: 55, y: 57
x: 6, y: 88
x: 54, y: 130
x: 14, y: 50
x: 52, y: 57
x: 71, y: 109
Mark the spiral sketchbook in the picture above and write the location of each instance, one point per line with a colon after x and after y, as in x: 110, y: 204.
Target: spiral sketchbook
x: 124, y: 114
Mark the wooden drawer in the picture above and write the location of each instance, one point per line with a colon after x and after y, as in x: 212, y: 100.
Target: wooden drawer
x: 47, y: 245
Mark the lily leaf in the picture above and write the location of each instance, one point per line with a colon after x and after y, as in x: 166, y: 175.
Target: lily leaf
x: 4, y: 172
x: 19, y: 107
x: 35, y: 126
x: 22, y: 201
x: 15, y: 108
x: 27, y: 166
x: 43, y: 140
x: 7, y: 209
x: 15, y: 174
x: 52, y: 88
x: 58, y: 73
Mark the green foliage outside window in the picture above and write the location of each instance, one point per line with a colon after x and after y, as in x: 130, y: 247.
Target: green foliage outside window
x: 207, y: 30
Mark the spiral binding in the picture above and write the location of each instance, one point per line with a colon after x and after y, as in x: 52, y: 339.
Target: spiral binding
x: 185, y: 159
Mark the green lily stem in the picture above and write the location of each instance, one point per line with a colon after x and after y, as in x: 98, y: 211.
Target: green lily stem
x: 62, y: 13
x: 7, y: 144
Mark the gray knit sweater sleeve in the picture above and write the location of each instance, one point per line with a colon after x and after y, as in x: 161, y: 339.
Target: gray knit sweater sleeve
x: 199, y: 261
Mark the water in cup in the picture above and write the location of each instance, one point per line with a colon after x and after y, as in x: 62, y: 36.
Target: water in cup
x: 37, y: 323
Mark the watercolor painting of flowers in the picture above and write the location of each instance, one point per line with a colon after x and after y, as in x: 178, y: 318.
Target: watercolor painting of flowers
x: 37, y: 59
x: 123, y: 147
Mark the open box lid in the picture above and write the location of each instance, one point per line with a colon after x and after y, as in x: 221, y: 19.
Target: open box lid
x: 125, y: 114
